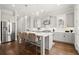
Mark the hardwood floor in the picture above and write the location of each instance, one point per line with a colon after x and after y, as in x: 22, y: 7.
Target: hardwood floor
x: 63, y: 49
x: 14, y: 48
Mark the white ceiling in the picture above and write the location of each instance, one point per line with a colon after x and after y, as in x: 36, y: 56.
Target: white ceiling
x: 36, y: 9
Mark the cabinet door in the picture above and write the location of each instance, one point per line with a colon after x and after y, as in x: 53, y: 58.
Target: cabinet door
x: 69, y: 37
x: 64, y: 37
x: 77, y: 37
x: 58, y: 36
x: 77, y: 42
x: 61, y: 21
x: 55, y: 36
x: 77, y: 15
x: 73, y: 37
x: 28, y: 22
x: 77, y: 27
x: 70, y: 19
x: 53, y: 21
x: 35, y: 23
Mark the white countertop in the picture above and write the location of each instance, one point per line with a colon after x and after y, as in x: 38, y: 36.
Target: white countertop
x: 40, y: 33
x: 56, y: 29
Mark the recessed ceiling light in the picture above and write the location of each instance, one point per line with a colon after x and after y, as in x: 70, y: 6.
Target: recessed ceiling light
x: 37, y: 13
x: 42, y: 10
x: 58, y: 4
x: 13, y: 5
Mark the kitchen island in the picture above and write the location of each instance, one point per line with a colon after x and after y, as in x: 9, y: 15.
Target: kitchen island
x: 46, y: 39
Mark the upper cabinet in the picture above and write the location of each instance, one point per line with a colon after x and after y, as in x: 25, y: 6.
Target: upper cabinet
x: 70, y: 19
x: 61, y: 21
x: 53, y: 21
x: 36, y: 22
x: 8, y: 14
x: 49, y: 22
x: 65, y: 20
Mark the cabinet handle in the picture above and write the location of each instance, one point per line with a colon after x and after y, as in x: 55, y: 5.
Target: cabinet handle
x: 64, y: 35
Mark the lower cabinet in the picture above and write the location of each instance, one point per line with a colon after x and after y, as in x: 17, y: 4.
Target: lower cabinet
x: 69, y: 37
x: 64, y: 37
x: 49, y: 42
x: 58, y: 36
x: 77, y: 42
x: 77, y: 46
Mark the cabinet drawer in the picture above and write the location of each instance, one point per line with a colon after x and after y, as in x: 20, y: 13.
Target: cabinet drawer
x: 64, y: 37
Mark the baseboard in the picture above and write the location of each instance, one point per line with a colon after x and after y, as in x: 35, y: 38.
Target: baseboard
x: 7, y: 42
x: 63, y: 42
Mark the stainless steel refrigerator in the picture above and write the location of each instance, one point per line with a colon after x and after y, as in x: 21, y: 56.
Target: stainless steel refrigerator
x: 7, y: 31
x: 0, y: 31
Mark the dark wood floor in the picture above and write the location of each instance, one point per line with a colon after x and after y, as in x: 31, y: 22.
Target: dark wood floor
x: 14, y: 48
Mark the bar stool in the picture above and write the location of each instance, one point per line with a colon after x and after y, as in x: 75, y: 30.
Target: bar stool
x: 23, y: 35
x: 19, y: 37
x: 32, y: 38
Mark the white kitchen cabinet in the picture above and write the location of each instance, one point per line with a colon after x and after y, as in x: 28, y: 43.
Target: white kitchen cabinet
x: 70, y: 19
x: 77, y: 42
x: 64, y: 37
x: 20, y: 25
x: 23, y: 23
x: 7, y: 15
x: 76, y: 23
x: 39, y: 23
x: 35, y: 23
x: 49, y: 42
x: 69, y: 37
x: 67, y: 20
x: 28, y: 22
x: 53, y: 21
x: 58, y: 36
x: 61, y: 20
